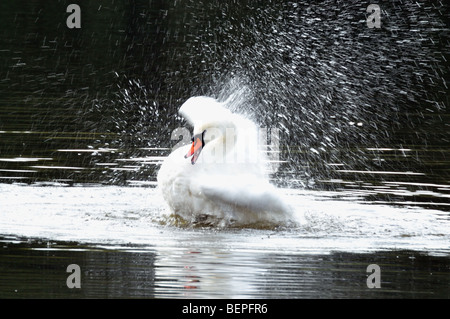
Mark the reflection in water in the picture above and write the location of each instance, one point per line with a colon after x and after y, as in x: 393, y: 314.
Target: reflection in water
x: 127, y: 246
x: 118, y: 272
x: 38, y: 270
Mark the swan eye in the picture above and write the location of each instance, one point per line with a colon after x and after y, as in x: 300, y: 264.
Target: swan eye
x: 197, y: 135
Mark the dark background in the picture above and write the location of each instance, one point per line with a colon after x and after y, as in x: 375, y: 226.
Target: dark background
x: 314, y: 70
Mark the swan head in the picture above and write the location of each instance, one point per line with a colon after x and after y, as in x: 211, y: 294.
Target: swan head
x: 217, y: 138
x: 221, y: 136
x: 210, y: 120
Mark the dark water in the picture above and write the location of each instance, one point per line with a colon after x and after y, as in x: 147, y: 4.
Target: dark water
x: 362, y: 113
x: 138, y: 272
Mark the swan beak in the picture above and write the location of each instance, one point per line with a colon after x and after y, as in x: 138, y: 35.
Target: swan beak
x: 196, y: 148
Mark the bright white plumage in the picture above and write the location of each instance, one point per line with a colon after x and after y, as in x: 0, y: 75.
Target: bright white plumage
x: 220, y: 178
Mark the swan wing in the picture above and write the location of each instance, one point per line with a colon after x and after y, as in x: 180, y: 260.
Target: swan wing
x: 245, y: 192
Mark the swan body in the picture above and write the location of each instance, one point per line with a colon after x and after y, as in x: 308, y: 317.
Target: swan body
x: 221, y: 177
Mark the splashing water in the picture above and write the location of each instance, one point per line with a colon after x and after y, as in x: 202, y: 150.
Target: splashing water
x: 361, y: 111
x: 331, y: 85
x: 114, y: 215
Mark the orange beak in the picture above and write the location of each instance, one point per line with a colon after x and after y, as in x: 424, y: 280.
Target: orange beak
x: 196, y: 148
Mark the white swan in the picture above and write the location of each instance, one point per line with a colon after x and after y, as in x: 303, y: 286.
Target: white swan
x: 220, y: 178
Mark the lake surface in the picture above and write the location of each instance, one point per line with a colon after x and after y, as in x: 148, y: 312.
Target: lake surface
x: 362, y: 138
x: 127, y: 245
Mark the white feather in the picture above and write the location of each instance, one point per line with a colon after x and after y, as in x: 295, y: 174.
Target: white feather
x: 228, y: 181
